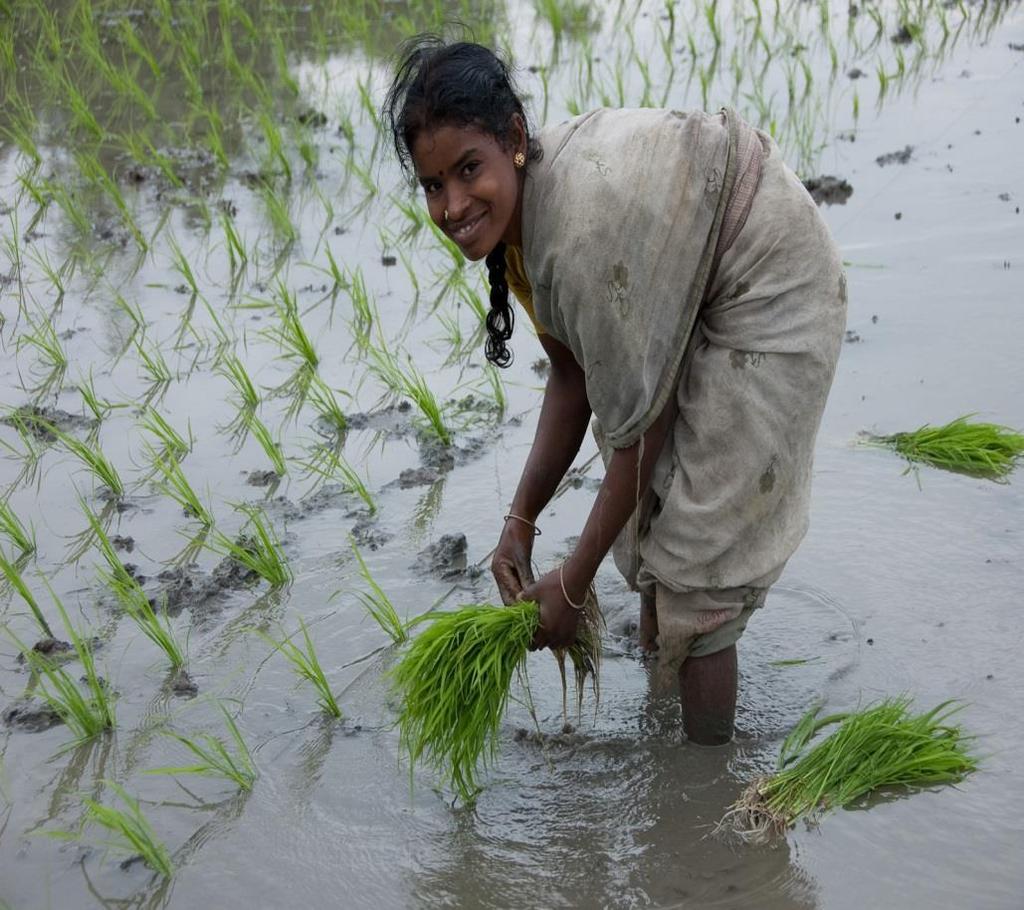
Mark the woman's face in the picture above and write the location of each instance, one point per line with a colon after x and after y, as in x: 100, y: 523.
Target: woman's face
x: 470, y: 175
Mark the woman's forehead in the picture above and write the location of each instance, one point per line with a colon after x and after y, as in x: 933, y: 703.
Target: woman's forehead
x: 440, y: 149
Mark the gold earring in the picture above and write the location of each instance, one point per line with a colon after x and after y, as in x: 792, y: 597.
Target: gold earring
x: 519, y: 159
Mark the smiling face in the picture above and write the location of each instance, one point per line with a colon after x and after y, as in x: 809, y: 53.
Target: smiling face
x: 471, y: 175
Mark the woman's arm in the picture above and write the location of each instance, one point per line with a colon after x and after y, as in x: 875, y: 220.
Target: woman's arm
x: 564, y: 416
x: 625, y: 482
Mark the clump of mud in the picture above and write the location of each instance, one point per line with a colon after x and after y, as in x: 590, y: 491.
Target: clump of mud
x: 899, y: 157
x: 446, y: 558
x: 40, y: 421
x: 262, y: 478
x: 829, y: 190
x: 30, y: 715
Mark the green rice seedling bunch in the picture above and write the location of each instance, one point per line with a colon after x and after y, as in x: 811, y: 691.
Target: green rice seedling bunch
x: 13, y: 528
x: 378, y: 605
x: 259, y: 550
x: 979, y: 449
x: 307, y: 667
x: 132, y: 833
x: 214, y: 756
x: 883, y: 745
x: 452, y: 681
x: 87, y: 714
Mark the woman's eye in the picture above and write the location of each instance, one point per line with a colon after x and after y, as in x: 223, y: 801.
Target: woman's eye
x: 469, y: 168
x: 431, y: 188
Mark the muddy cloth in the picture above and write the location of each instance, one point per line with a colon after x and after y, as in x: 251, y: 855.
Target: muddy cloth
x: 621, y: 220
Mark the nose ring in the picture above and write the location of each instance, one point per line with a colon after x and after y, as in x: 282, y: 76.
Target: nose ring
x: 446, y: 216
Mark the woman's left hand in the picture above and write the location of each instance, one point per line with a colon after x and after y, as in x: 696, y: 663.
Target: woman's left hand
x: 558, y: 620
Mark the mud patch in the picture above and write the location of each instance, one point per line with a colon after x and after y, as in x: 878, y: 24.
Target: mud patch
x: 181, y: 684
x: 446, y: 558
x: 395, y: 420
x: 30, y: 715
x: 900, y: 157
x: 416, y: 477
x: 262, y: 478
x: 40, y: 422
x: 368, y: 535
x: 828, y: 190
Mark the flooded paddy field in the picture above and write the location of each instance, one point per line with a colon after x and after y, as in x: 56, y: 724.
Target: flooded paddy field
x: 221, y: 305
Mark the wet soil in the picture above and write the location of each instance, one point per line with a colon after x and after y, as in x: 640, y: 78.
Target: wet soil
x: 828, y: 190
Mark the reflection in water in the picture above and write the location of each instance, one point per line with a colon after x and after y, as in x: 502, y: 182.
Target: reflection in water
x: 616, y: 823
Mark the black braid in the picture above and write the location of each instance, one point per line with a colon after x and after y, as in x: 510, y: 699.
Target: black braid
x: 500, y: 318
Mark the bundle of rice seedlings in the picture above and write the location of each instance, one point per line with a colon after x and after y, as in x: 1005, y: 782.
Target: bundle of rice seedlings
x: 453, y: 680
x: 985, y: 450
x: 883, y: 745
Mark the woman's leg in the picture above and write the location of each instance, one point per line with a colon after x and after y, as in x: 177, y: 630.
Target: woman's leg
x: 648, y: 622
x: 707, y: 687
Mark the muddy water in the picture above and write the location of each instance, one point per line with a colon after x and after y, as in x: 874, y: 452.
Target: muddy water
x: 900, y: 587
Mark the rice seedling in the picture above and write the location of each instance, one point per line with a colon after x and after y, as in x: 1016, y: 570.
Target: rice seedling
x: 881, y: 746
x: 237, y: 254
x: 173, y: 483
x: 100, y: 407
x: 14, y: 579
x: 258, y: 548
x: 452, y: 681
x: 322, y: 397
x: 289, y: 333
x: 277, y: 212
x: 171, y: 441
x: 97, y: 175
x: 13, y: 528
x: 364, y: 310
x: 154, y: 365
x: 42, y: 336
x: 181, y: 264
x: 131, y: 831
x: 977, y: 449
x: 214, y: 756
x: 307, y: 667
x: 263, y: 436
x: 329, y: 464
x: 92, y: 457
x: 378, y: 604
x: 232, y: 369
x: 86, y: 714
x: 405, y: 380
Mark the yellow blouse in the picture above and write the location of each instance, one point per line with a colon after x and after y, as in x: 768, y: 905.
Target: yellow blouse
x: 519, y: 283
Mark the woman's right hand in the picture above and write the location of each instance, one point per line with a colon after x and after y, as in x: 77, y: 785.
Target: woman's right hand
x: 511, y: 564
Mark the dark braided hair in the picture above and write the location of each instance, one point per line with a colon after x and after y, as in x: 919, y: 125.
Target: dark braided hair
x: 439, y: 83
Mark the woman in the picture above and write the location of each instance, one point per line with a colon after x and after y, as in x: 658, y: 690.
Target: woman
x: 689, y: 298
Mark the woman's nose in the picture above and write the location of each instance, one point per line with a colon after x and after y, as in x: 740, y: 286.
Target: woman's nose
x: 455, y: 205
